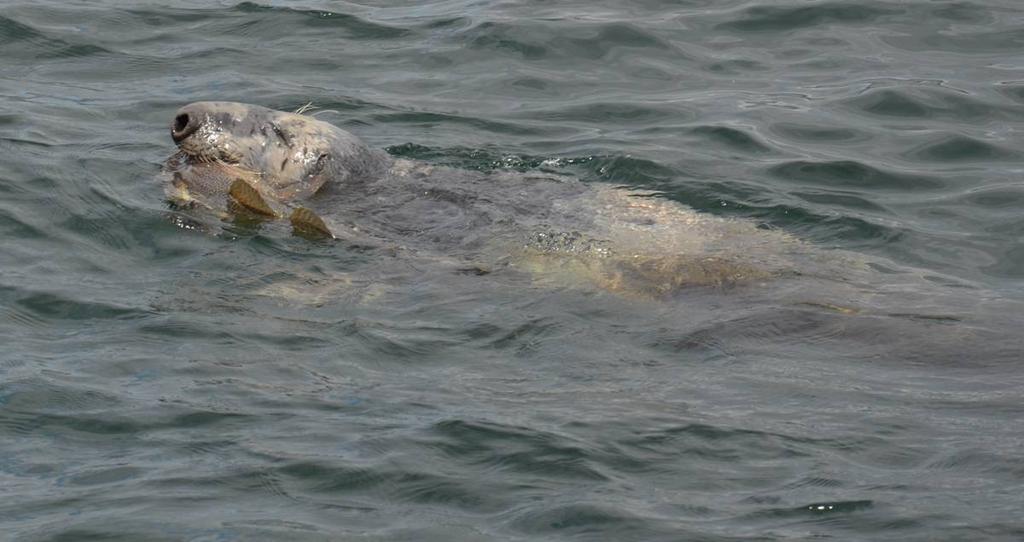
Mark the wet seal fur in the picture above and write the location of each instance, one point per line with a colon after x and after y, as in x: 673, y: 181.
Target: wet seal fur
x: 237, y: 159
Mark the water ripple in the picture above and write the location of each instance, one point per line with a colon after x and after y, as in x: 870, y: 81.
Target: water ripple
x: 783, y: 18
x: 851, y: 174
x: 233, y: 382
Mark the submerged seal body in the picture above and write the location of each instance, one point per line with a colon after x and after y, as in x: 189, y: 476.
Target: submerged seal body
x: 428, y: 231
x: 243, y: 159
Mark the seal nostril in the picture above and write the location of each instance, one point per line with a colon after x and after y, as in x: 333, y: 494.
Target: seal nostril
x: 183, y: 127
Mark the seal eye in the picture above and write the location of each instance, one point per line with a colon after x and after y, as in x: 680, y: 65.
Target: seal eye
x: 280, y: 134
x: 321, y: 161
x: 318, y: 166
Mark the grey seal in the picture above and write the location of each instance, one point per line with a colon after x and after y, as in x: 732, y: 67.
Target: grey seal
x: 237, y: 159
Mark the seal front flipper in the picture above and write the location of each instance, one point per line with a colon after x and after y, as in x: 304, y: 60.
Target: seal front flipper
x: 306, y: 222
x: 245, y: 195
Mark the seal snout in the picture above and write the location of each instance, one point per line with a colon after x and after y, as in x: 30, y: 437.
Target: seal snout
x: 190, y: 118
x: 184, y: 125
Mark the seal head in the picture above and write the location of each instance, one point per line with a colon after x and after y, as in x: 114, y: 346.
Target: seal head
x: 284, y: 156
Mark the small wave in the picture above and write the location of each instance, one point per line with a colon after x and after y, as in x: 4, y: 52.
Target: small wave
x: 783, y: 18
x: 535, y: 41
x: 844, y: 199
x: 818, y: 508
x: 25, y: 399
x: 399, y: 341
x: 350, y: 25
x: 583, y: 519
x: 20, y: 39
x: 511, y: 449
x: 1012, y: 89
x: 1008, y: 197
x: 984, y: 42
x: 960, y: 148
x: 710, y: 443
x: 104, y: 476
x: 926, y: 103
x: 733, y: 138
x: 371, y: 483
x: 50, y: 306
x: 619, y: 114
x: 479, y: 159
x: 736, y: 66
x: 851, y: 174
x: 427, y: 119
x: 816, y: 133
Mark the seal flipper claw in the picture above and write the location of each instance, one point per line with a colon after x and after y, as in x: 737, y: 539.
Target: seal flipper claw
x: 247, y: 196
x: 307, y: 222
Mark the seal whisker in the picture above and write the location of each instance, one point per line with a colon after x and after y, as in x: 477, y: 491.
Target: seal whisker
x: 335, y: 111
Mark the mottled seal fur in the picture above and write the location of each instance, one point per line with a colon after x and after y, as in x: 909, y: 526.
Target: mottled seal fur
x: 236, y: 158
